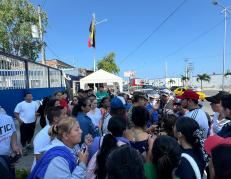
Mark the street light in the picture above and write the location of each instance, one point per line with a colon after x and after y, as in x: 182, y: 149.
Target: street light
x: 225, y: 10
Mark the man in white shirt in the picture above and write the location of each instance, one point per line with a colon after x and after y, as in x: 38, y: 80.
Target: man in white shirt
x: 190, y: 100
x: 25, y: 113
x: 42, y: 139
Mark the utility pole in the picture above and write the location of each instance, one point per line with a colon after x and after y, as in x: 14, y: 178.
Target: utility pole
x: 225, y: 11
x: 166, y: 73
x: 186, y: 70
x: 41, y: 37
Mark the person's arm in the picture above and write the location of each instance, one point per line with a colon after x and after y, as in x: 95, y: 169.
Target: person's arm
x: 37, y: 156
x: 18, y: 118
x: 14, y: 145
x: 92, y: 130
x: 59, y: 168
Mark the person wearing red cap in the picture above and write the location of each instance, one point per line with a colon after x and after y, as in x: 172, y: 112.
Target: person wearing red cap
x: 190, y: 100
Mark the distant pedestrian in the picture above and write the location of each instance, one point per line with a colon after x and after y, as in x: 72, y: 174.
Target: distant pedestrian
x: 101, y: 93
x: 25, y: 113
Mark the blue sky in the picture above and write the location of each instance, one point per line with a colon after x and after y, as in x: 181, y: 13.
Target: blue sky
x: 129, y: 23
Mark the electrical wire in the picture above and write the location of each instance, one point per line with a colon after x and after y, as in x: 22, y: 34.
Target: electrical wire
x: 154, y: 31
x: 194, y: 39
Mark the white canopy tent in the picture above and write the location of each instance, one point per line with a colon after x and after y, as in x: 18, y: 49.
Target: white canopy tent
x: 101, y: 76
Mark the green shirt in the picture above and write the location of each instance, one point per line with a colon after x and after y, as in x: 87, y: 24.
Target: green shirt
x: 150, y: 171
x: 101, y: 95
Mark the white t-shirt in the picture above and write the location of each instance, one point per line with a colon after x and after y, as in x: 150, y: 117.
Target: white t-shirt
x: 27, y: 111
x: 217, y: 125
x: 41, y: 141
x: 7, y: 128
x: 95, y: 117
x: 105, y: 123
x: 199, y: 116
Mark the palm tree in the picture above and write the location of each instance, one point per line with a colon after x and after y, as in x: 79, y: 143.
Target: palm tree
x: 227, y: 74
x: 203, y: 77
x: 171, y: 81
x: 184, y: 79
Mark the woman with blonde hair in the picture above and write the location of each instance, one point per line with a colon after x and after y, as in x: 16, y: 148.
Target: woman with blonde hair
x: 61, y: 160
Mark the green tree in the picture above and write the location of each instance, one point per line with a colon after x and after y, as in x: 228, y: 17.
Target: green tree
x: 16, y: 18
x: 203, y: 77
x: 108, y: 64
x: 184, y: 79
x: 171, y: 81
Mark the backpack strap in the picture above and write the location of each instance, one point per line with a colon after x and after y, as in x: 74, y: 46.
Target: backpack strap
x: 193, y: 165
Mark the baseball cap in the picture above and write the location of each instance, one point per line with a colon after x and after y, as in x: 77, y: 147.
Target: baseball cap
x: 139, y: 94
x: 226, y: 101
x: 154, y: 96
x: 217, y: 98
x: 213, y: 141
x: 189, y: 94
x: 118, y: 102
x: 166, y: 92
x: 81, y: 91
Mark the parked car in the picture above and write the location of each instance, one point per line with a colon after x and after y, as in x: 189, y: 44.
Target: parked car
x: 173, y: 88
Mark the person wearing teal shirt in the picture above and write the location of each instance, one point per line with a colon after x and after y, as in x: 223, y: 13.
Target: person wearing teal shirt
x: 101, y: 94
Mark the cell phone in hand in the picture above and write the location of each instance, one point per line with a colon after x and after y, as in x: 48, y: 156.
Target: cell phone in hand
x: 84, y: 149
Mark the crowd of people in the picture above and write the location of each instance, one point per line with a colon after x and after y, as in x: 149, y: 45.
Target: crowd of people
x: 106, y: 136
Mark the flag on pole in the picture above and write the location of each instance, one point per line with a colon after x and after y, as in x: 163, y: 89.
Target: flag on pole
x: 91, y: 40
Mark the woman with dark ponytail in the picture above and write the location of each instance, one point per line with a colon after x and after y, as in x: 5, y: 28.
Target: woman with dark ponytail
x: 165, y: 157
x: 193, y: 158
x: 103, y: 146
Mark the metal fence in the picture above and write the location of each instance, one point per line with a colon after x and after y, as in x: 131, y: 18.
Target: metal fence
x: 20, y: 73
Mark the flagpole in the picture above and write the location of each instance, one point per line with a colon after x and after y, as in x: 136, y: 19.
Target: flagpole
x: 94, y: 51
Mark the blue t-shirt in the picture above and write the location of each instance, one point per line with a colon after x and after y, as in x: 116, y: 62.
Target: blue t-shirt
x: 154, y: 115
x: 86, y: 126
